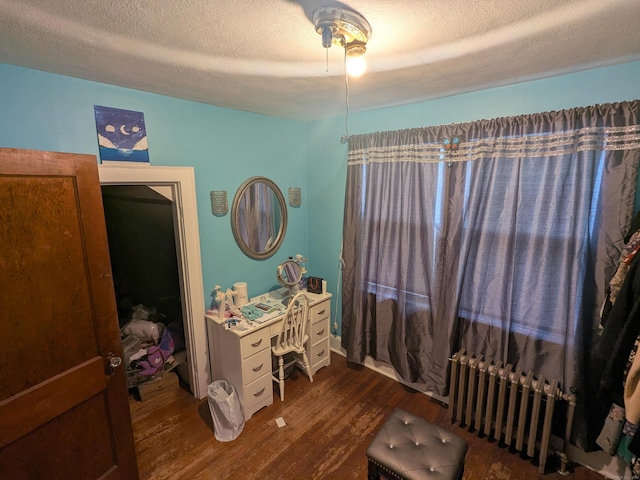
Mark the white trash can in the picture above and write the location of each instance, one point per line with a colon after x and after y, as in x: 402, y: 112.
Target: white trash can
x: 224, y: 404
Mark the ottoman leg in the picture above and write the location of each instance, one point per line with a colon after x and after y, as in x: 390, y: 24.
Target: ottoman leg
x: 373, y: 471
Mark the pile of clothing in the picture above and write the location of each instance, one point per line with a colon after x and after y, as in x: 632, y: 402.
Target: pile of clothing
x: 151, y: 347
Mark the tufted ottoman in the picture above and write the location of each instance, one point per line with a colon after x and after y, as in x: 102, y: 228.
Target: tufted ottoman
x: 409, y: 447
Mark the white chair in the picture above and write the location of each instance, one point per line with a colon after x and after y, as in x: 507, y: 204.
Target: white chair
x: 292, y: 339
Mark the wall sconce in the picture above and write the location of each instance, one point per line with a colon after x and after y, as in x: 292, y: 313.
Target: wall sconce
x: 219, y: 203
x: 295, y: 197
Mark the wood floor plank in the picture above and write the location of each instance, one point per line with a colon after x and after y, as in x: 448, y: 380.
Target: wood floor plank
x: 329, y: 425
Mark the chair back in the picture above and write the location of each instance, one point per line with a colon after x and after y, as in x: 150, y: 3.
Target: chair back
x: 294, y: 324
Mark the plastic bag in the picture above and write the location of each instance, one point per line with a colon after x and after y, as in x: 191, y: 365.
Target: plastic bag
x: 224, y: 404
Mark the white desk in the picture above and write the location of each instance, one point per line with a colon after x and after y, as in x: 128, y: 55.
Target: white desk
x: 242, y: 355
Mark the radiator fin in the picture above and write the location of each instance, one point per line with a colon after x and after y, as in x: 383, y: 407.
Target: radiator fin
x: 514, y: 407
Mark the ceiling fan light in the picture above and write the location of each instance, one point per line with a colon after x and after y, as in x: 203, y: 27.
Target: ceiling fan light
x: 356, y: 66
x: 344, y: 25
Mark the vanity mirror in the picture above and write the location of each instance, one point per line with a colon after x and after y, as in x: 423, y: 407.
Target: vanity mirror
x: 289, y: 274
x: 259, y: 217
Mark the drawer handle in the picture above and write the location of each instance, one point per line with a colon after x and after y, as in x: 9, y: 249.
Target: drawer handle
x: 257, y: 394
x: 321, y: 332
x: 321, y: 311
x: 258, y: 368
x: 320, y: 354
x: 257, y: 344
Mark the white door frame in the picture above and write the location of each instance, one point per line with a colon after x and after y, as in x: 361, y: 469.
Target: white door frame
x: 182, y: 182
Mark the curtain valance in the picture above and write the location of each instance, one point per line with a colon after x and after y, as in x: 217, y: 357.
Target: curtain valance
x: 548, y: 134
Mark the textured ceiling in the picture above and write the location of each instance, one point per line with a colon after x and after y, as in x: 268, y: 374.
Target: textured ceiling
x: 265, y: 56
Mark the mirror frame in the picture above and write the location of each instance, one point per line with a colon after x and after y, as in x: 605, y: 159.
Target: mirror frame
x: 282, y: 267
x: 234, y: 218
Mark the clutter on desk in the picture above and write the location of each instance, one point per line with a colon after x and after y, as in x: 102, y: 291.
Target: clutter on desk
x: 231, y: 322
x: 214, y: 312
x: 242, y: 294
x: 233, y: 309
x: 302, y: 261
x: 224, y: 300
x: 260, y: 312
x: 151, y: 349
x: 252, y: 312
x: 229, y: 300
x: 314, y: 285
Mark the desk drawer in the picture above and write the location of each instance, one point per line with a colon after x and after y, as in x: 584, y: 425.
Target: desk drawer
x: 319, y: 311
x: 255, y: 342
x: 319, y: 354
x: 318, y: 331
x: 257, y: 394
x: 257, y: 365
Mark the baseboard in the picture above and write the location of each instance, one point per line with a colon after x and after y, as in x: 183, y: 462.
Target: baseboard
x: 385, y: 370
x: 600, y: 462
x: 606, y: 465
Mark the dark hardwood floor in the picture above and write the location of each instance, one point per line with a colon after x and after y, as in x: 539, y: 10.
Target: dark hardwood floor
x: 329, y: 425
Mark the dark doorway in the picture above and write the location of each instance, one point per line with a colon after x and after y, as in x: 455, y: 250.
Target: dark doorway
x: 142, y: 245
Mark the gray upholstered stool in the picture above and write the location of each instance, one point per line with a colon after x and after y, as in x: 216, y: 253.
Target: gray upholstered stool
x: 409, y: 447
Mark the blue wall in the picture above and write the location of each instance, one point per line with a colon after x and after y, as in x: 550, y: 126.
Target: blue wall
x: 326, y: 156
x: 51, y: 112
x: 43, y: 111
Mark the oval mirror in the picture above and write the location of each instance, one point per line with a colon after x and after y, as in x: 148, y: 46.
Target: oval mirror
x: 259, y: 217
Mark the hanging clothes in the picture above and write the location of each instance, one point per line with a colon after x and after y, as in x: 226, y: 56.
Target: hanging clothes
x: 619, y: 334
x: 635, y: 226
x: 632, y: 245
x: 628, y: 253
x: 608, y: 363
x: 632, y: 391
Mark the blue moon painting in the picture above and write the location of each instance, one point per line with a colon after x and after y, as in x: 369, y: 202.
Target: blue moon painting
x: 122, y: 135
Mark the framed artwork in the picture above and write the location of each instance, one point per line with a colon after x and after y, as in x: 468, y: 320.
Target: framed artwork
x: 122, y: 136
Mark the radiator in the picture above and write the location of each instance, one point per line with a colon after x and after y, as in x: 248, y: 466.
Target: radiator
x: 508, y: 405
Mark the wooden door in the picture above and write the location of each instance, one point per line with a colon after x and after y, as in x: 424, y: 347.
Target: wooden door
x: 64, y: 412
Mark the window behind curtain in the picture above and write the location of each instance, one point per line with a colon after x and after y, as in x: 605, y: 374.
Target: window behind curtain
x: 501, y: 247
x: 536, y: 228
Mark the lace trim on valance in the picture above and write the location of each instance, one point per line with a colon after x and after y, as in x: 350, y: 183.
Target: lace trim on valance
x: 531, y: 146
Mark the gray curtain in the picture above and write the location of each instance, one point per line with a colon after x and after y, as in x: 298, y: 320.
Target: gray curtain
x: 498, y: 236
